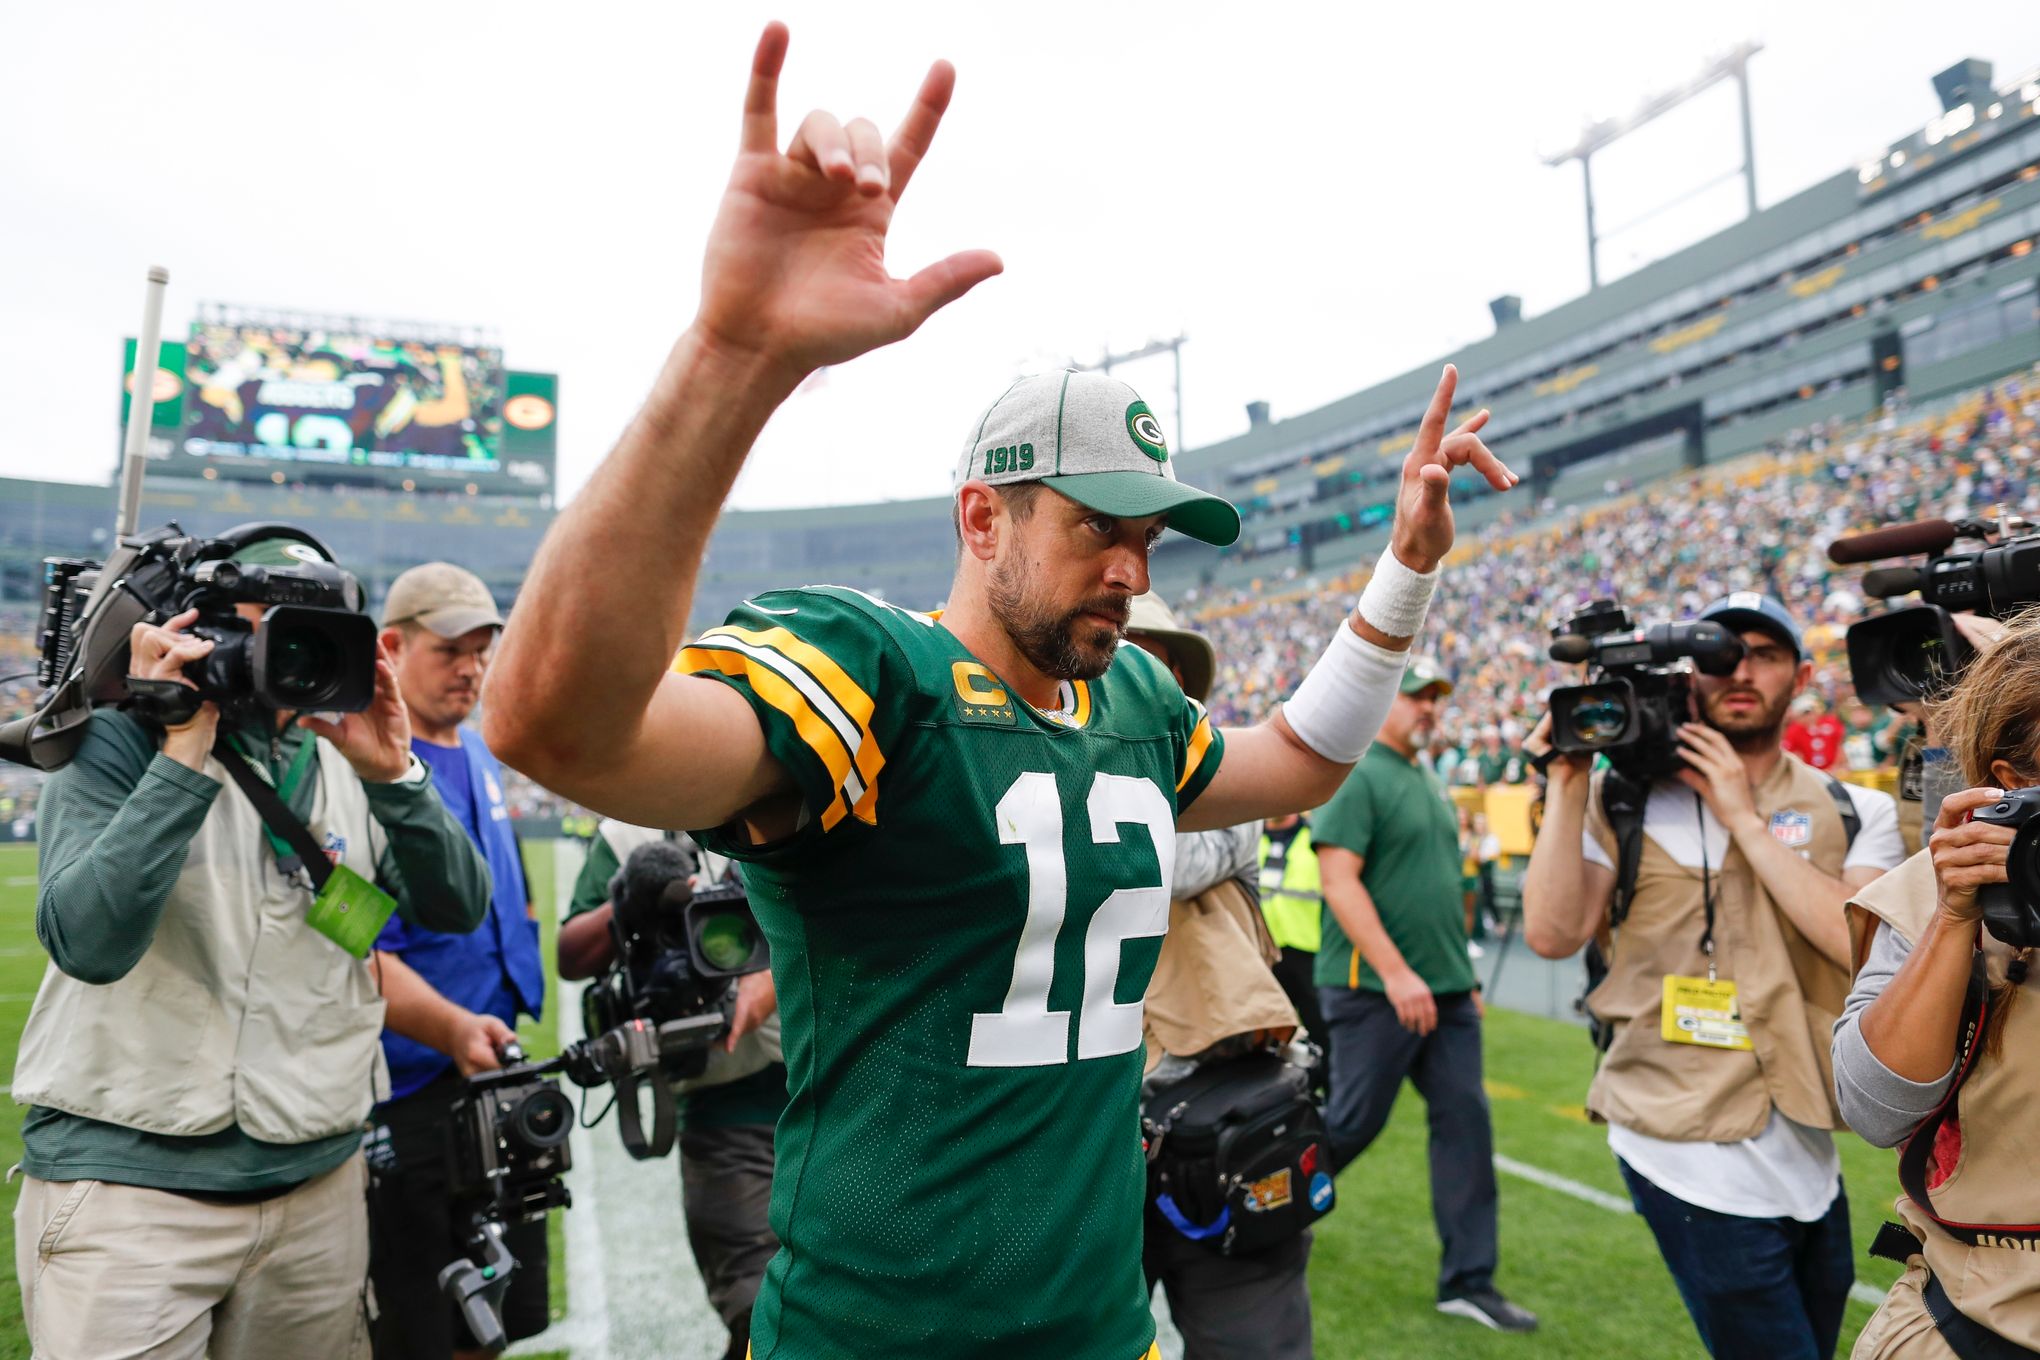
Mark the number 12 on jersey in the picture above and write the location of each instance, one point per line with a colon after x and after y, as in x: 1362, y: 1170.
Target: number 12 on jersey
x: 1025, y: 1032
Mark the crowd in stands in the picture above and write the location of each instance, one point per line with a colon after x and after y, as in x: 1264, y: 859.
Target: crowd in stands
x: 1758, y: 523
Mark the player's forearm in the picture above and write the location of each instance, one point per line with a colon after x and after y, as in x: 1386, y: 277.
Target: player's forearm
x: 606, y: 603
x: 1810, y: 899
x: 585, y: 945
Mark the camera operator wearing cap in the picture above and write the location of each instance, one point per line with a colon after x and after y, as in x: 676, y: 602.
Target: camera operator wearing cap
x: 201, y: 1053
x: 1934, y: 1051
x: 466, y: 990
x: 727, y: 1114
x: 1719, y: 1113
x: 1214, y: 995
x: 1398, y: 990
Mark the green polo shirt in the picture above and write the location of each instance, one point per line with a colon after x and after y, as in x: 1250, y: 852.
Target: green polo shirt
x: 1397, y: 818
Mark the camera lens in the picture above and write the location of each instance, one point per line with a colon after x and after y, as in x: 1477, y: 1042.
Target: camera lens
x: 542, y: 1118
x: 727, y: 941
x: 302, y: 662
x: 1599, y: 721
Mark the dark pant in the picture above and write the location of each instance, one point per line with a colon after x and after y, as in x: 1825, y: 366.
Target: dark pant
x: 1371, y: 1054
x: 1773, y: 1287
x: 414, y: 1229
x: 1294, y: 973
x: 725, y: 1192
x: 1252, y: 1307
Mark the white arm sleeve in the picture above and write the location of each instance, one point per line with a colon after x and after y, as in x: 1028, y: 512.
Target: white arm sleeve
x: 1339, y: 706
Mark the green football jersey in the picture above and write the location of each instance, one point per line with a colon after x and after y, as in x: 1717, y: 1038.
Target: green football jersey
x: 962, y: 931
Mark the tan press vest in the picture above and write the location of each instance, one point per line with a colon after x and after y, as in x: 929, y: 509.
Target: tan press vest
x: 1789, y: 992
x: 1212, y: 980
x: 1996, y: 1178
x: 239, y: 1013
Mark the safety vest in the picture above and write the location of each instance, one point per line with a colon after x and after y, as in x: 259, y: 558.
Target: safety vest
x: 1291, y: 897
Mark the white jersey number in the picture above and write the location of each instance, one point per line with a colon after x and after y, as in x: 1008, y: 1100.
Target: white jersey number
x: 1025, y: 1032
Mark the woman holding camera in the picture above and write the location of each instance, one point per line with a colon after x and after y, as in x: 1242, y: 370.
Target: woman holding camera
x: 1938, y: 1049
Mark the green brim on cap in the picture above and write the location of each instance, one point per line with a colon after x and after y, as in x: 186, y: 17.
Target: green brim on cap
x: 1136, y: 495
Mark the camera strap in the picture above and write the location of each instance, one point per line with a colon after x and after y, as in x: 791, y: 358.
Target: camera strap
x: 1706, y: 885
x: 288, y: 835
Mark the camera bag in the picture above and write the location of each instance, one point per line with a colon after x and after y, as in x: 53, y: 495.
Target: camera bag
x: 1236, y: 1154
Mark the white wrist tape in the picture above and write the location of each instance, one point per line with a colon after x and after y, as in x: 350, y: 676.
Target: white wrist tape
x: 1339, y: 706
x: 1396, y: 597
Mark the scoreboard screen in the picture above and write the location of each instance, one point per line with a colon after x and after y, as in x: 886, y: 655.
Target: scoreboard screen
x: 354, y: 401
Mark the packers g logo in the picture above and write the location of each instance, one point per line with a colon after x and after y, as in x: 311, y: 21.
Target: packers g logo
x: 1147, y: 432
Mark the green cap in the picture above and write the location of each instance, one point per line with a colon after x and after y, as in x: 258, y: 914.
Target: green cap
x: 1093, y: 439
x: 1422, y: 675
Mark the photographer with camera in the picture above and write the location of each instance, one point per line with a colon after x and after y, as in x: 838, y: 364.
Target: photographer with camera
x: 726, y: 1116
x: 1931, y: 1055
x: 203, y: 1046
x: 1726, y: 971
x: 439, y: 629
x: 1236, y: 1163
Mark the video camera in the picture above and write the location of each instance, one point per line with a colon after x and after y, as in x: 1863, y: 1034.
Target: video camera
x: 313, y: 650
x: 671, y: 991
x: 650, y: 1020
x: 2011, y: 910
x: 1632, y: 709
x: 1913, y: 652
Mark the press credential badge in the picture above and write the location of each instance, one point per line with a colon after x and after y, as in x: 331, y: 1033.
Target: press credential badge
x: 1701, y: 1011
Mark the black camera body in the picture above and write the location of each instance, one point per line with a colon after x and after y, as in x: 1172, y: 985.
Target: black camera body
x: 2011, y: 910
x: 312, y: 651
x: 509, y: 1133
x: 1915, y: 652
x: 1632, y: 709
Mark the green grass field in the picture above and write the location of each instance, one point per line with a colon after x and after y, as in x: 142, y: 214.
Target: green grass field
x: 1592, y: 1274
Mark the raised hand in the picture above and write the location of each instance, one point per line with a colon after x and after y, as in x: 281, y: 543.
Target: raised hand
x: 795, y: 270
x: 1423, y: 513
x: 377, y: 740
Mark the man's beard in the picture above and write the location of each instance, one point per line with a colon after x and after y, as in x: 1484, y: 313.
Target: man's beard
x: 1752, y: 732
x: 1059, y: 643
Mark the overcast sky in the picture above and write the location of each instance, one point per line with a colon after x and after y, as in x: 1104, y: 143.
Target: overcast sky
x: 1319, y: 196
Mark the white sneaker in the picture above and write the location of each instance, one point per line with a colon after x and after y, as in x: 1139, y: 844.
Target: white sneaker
x: 1474, y: 951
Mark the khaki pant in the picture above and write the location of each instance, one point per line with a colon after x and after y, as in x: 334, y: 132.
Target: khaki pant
x: 122, y: 1272
x: 1902, y: 1328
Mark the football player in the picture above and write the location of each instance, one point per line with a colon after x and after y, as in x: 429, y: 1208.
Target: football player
x: 958, y: 830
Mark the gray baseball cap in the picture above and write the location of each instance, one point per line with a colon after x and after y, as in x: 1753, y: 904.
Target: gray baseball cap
x: 441, y: 598
x: 1093, y: 439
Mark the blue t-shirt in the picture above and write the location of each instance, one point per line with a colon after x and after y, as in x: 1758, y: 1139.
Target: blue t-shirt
x: 496, y: 970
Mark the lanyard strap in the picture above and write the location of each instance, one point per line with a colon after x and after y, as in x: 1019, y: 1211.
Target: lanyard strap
x: 1706, y: 885
x: 290, y: 850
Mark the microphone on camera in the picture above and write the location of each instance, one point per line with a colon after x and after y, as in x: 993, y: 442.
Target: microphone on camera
x: 1889, y: 581
x: 1895, y: 540
x: 1571, y: 648
x: 651, y: 875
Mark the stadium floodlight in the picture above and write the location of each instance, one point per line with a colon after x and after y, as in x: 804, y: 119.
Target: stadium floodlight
x: 141, y: 402
x: 1733, y: 64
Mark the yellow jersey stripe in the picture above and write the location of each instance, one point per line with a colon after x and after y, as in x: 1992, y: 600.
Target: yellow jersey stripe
x: 856, y: 706
x: 1083, y: 711
x: 1353, y: 970
x: 1200, y: 742
x: 819, y: 736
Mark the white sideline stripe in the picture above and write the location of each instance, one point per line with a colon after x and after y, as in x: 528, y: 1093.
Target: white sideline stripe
x: 1551, y: 1180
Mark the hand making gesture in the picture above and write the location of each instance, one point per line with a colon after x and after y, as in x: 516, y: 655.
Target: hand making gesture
x: 1423, y: 513
x: 795, y: 273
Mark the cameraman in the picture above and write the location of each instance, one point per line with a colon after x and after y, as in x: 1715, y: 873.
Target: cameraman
x: 1970, y: 1288
x: 439, y: 629
x: 199, y: 1058
x: 1215, y: 996
x: 1746, y: 859
x: 726, y: 1115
